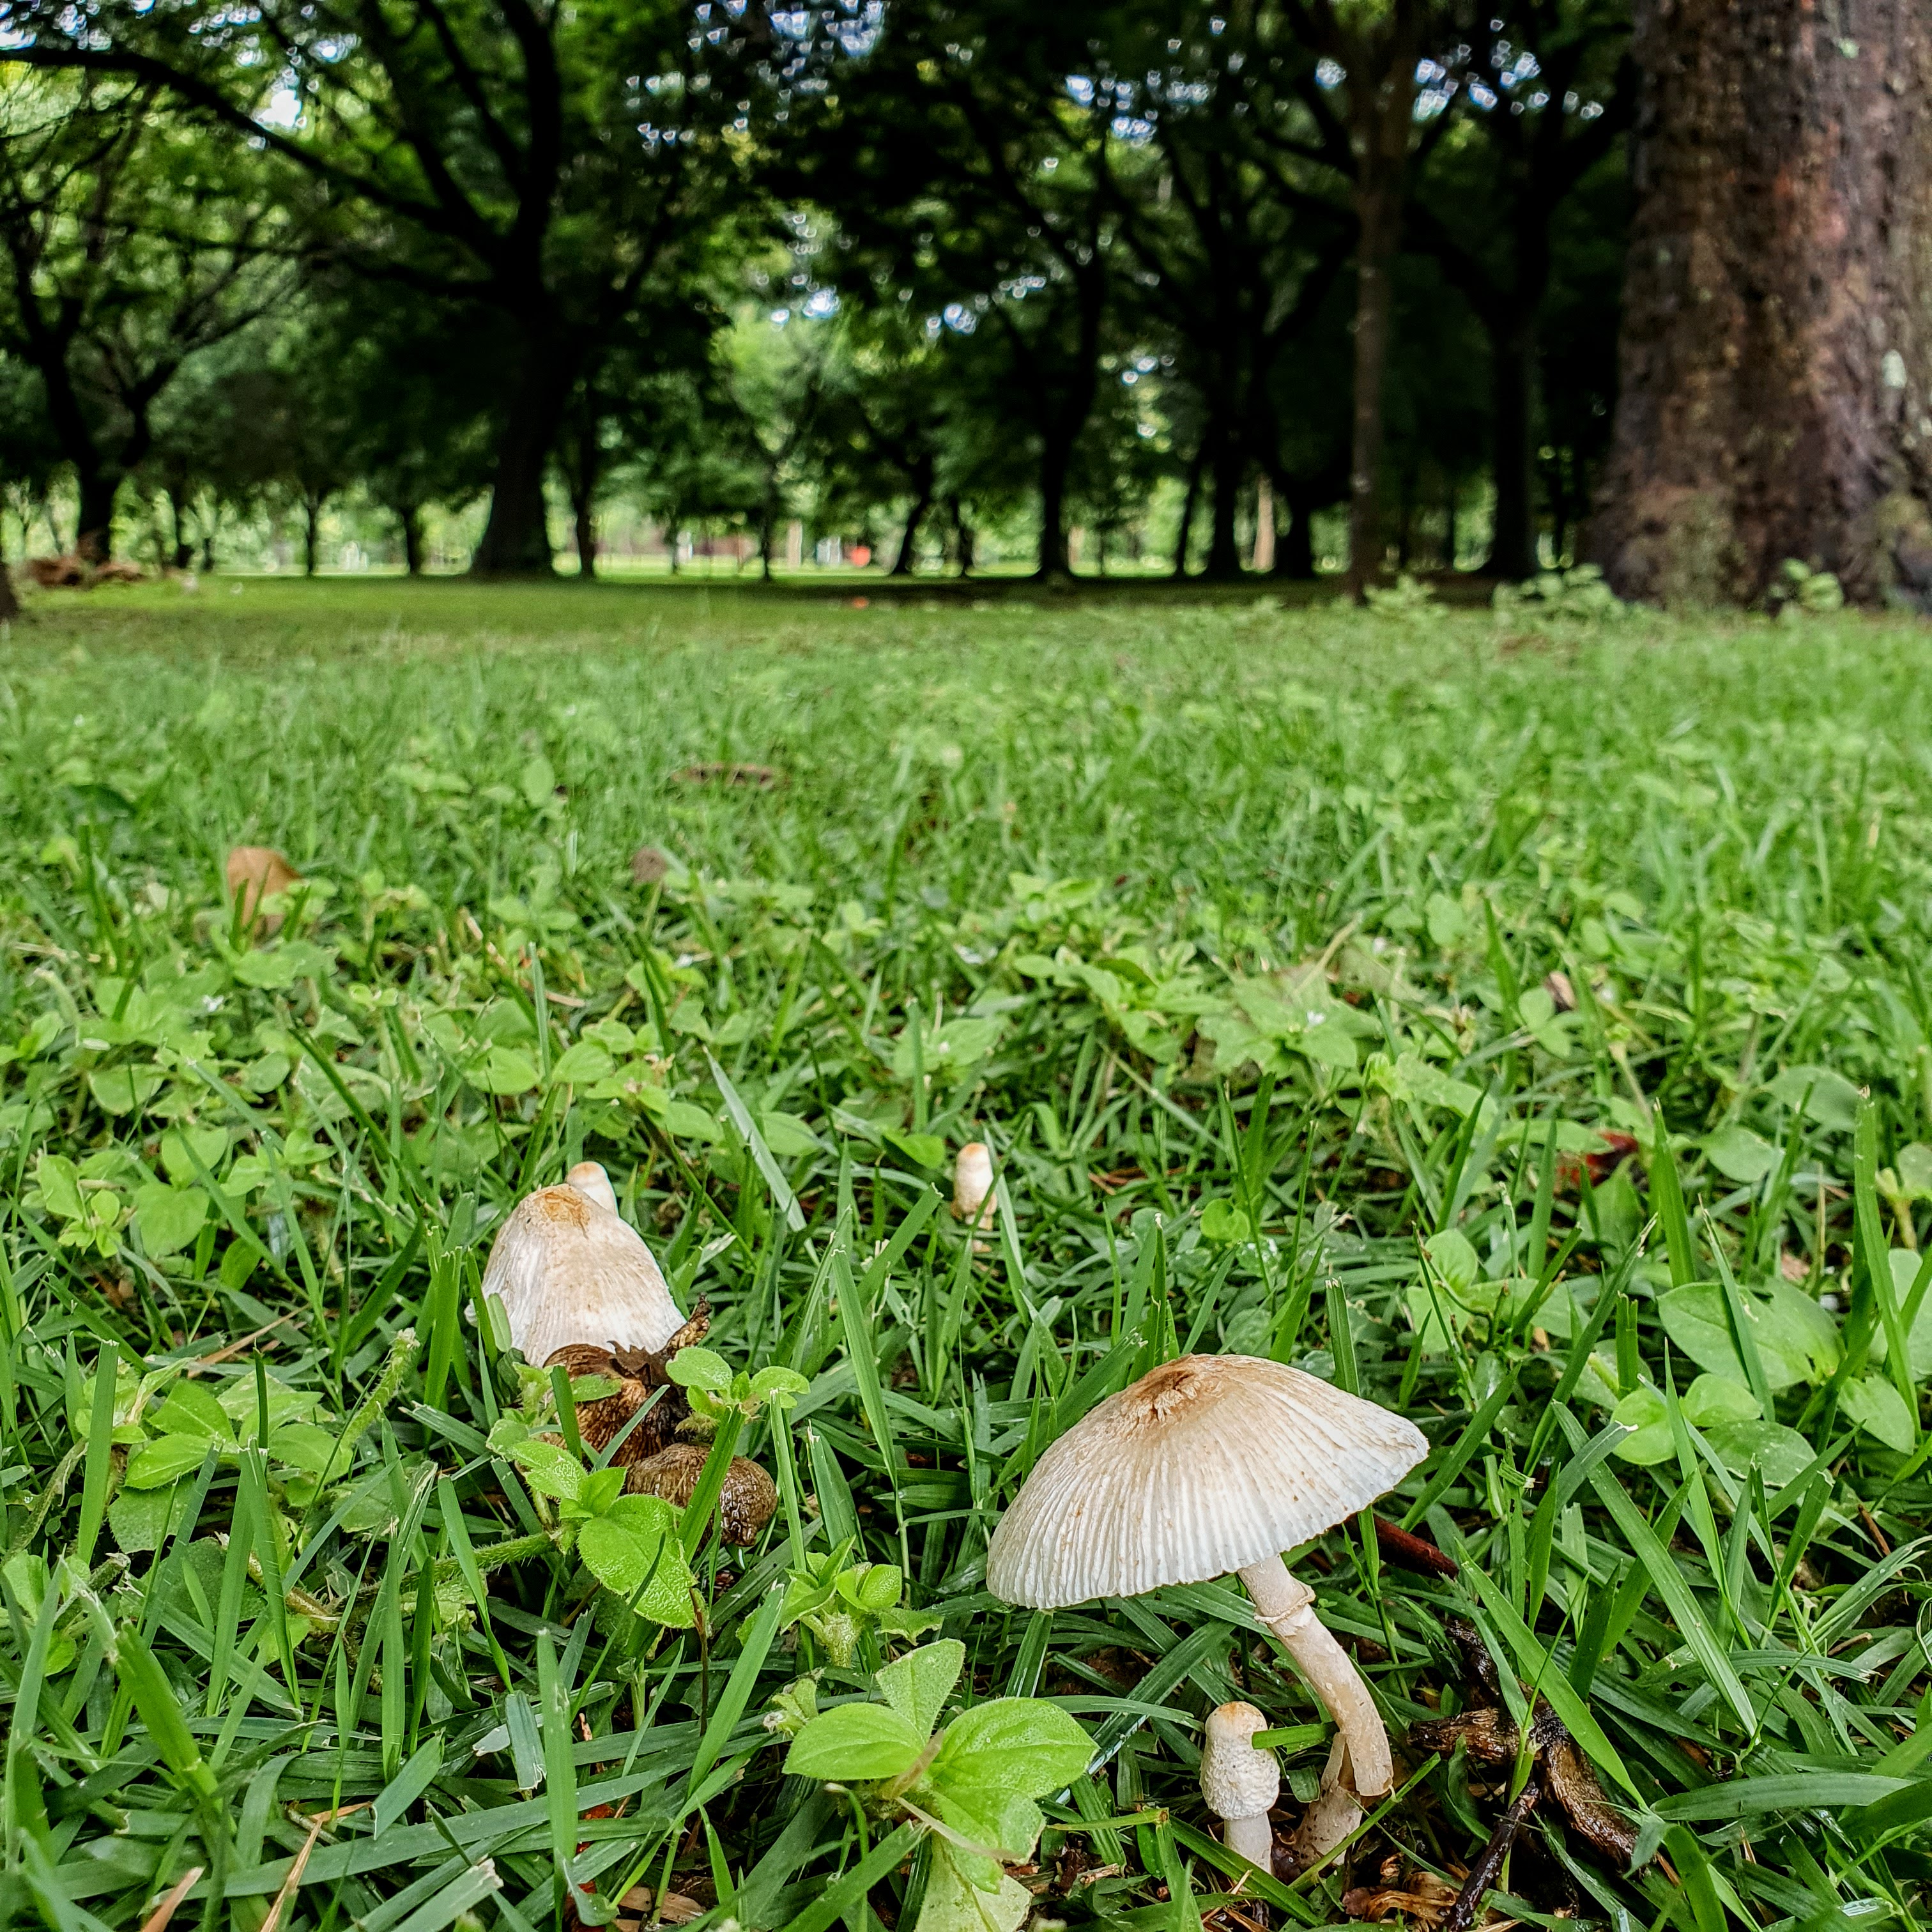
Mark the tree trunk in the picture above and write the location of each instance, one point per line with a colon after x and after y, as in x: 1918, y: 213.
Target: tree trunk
x: 311, y: 533
x: 903, y: 563
x: 1450, y: 498
x: 1224, y: 551
x: 1056, y: 459
x: 1383, y: 118
x: 962, y: 538
x: 183, y: 547
x: 583, y: 510
x: 1776, y: 359
x: 1184, y: 536
x: 410, y: 517
x: 516, y: 539
x: 10, y: 603
x: 1295, y: 542
x: 1512, y: 418
x: 95, y: 538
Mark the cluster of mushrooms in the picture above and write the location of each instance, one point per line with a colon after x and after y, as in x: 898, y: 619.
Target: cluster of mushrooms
x: 582, y: 1291
x: 1208, y: 1466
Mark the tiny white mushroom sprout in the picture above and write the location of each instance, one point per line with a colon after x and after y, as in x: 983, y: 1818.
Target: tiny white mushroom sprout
x: 571, y: 1270
x: 974, y: 1199
x: 1207, y: 1465
x: 1240, y: 1782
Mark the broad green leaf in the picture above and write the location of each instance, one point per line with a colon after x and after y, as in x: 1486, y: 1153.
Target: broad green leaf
x: 855, y: 1741
x: 1780, y: 1453
x: 918, y: 1685
x: 552, y: 1469
x: 924, y: 1149
x: 682, y: 1121
x: 1797, y: 1340
x: 164, y: 1460
x: 787, y: 1135
x: 1717, y: 1399
x: 504, y: 1070
x: 633, y: 1544
x: 953, y: 1905
x: 1642, y: 1411
x: 191, y: 1409
x: 1834, y: 1102
x: 209, y: 1144
x: 139, y: 1518
x: 1876, y: 1407
x: 1022, y: 1745
x: 1740, y: 1155
x: 581, y: 1064
x: 1454, y: 1260
x: 59, y: 1182
x: 304, y: 1445
x: 700, y: 1368
x: 123, y: 1089
x: 169, y: 1218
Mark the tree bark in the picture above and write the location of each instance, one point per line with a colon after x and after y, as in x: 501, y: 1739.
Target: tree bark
x: 95, y: 540
x: 1294, y: 541
x: 311, y: 533
x: 1512, y: 404
x: 1224, y: 551
x: 1776, y: 358
x: 184, y: 548
x: 516, y: 538
x: 583, y: 510
x: 1383, y: 119
x: 1184, y: 536
x: 410, y: 517
x: 1056, y: 460
x: 903, y: 565
x: 962, y: 538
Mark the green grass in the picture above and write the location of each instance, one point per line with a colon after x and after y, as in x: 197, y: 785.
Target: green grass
x: 1231, y: 929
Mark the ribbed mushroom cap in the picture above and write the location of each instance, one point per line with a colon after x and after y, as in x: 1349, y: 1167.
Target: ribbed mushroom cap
x: 570, y: 1269
x: 1205, y: 1465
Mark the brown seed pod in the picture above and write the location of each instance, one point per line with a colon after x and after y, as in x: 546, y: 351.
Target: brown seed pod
x: 745, y: 1504
x: 639, y: 1374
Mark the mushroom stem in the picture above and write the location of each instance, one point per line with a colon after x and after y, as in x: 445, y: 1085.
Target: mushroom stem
x: 1251, y: 1838
x: 1286, y: 1605
x: 1331, y: 1820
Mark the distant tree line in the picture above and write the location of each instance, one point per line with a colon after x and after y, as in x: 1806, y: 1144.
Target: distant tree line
x: 918, y: 265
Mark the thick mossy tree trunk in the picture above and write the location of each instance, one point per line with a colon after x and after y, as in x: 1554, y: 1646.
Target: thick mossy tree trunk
x: 1776, y: 396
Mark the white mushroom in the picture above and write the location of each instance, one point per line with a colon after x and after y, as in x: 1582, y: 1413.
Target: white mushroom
x: 973, y: 1200
x: 570, y: 1269
x: 1239, y: 1782
x: 1209, y: 1465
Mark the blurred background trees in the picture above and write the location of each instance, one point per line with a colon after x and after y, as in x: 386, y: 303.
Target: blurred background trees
x: 1212, y: 288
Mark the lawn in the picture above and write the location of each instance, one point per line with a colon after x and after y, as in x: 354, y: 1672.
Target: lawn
x: 1523, y: 1024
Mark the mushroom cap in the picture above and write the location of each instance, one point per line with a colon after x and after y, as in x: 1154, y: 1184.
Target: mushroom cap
x: 569, y: 1269
x: 255, y: 873
x: 972, y: 1184
x: 1237, y: 1780
x: 1204, y: 1465
x: 590, y: 1181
